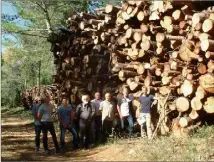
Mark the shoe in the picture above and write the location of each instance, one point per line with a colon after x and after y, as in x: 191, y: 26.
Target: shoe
x: 37, y: 149
x: 47, y: 152
x: 91, y: 146
x: 75, y: 147
x: 62, y: 149
x: 58, y: 151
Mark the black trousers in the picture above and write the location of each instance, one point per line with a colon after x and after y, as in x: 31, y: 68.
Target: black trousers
x: 38, y: 129
x: 97, y: 127
x: 86, y: 133
x: 107, y: 129
x: 48, y: 126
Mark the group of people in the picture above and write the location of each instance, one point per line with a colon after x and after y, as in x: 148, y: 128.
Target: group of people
x: 91, y: 121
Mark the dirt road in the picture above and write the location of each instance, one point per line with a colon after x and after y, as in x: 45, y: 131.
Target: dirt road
x: 18, y: 144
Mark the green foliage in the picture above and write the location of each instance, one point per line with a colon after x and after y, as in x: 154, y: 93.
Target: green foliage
x: 30, y: 45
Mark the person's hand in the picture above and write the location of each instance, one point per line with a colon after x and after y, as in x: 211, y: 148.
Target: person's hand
x: 121, y: 117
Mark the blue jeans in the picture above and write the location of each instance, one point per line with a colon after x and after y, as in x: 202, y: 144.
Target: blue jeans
x: 38, y: 129
x: 62, y: 135
x: 130, y: 121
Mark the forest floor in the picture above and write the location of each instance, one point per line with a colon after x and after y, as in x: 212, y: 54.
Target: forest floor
x: 18, y: 144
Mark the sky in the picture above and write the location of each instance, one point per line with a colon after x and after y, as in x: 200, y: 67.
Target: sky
x: 9, y: 9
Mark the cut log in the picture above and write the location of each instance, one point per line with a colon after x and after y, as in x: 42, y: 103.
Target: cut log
x: 208, y: 26
x: 148, y: 81
x: 133, y: 85
x: 209, y: 105
x: 207, y: 45
x: 178, y: 15
x: 182, y: 104
x: 206, y: 81
x: 198, y: 17
x: 140, y: 69
x: 210, y: 66
x: 202, y: 69
x: 193, y: 115
x: 84, y: 25
x: 125, y: 5
x: 137, y: 36
x: 184, y: 121
x: 164, y: 90
x: 200, y: 93
x: 183, y: 25
x: 142, y: 16
x: 196, y: 103
x: 111, y: 9
x: 126, y: 73
x: 187, y: 88
x: 209, y: 55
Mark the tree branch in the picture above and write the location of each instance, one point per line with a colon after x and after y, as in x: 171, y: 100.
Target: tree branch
x: 23, y: 33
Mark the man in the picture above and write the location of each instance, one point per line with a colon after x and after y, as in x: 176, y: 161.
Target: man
x: 124, y: 107
x: 145, y: 112
x: 37, y: 123
x: 66, y: 117
x: 108, y: 109
x: 85, y: 113
x: 45, y: 112
x: 98, y: 115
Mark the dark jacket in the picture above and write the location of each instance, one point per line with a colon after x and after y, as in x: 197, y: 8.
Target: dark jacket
x: 85, y: 113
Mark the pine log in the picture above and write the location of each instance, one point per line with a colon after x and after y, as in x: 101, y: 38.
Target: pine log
x: 125, y: 15
x: 164, y: 90
x: 193, y: 115
x: 137, y: 36
x: 200, y: 93
x: 208, y: 26
x: 202, y: 69
x: 210, y: 66
x: 129, y: 9
x: 184, y: 121
x: 125, y: 5
x: 126, y: 73
x: 87, y: 16
x: 196, y: 103
x: 142, y: 16
x: 83, y: 25
x: 111, y: 9
x: 198, y: 17
x: 144, y: 28
x: 148, y: 81
x: 198, y: 26
x: 187, y: 88
x: 178, y: 15
x: 204, y: 36
x: 140, y: 69
x: 139, y: 78
x: 172, y: 106
x: 183, y: 25
x: 166, y: 80
x: 207, y: 45
x: 206, y: 81
x: 209, y: 55
x: 133, y: 85
x: 209, y: 105
x: 182, y: 104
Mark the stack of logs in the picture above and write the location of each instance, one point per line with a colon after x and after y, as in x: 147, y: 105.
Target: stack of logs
x: 167, y: 46
x: 28, y: 97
